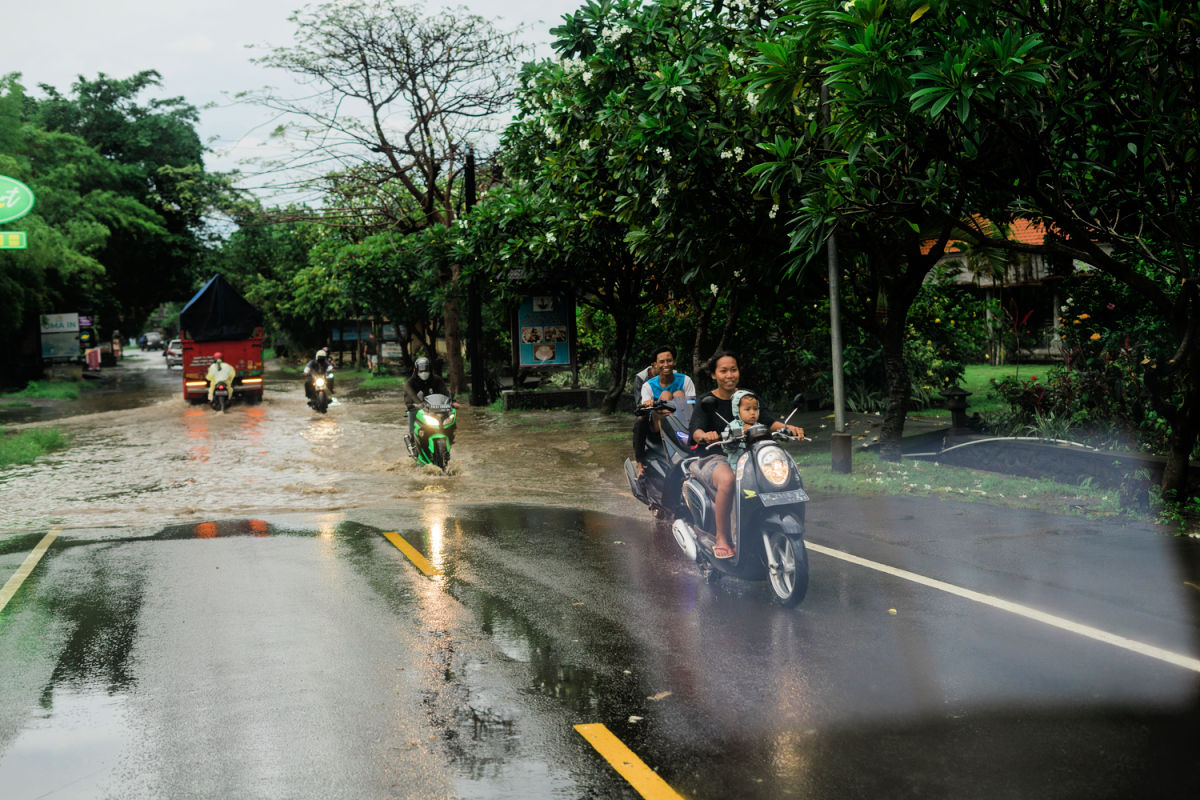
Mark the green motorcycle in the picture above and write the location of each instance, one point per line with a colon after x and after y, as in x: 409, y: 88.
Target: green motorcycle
x: 432, y: 430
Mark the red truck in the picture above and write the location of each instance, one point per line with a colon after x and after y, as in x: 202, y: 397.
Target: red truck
x: 219, y: 320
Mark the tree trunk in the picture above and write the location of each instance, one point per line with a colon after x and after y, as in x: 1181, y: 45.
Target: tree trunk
x: 621, y: 352
x: 899, y: 391
x: 1185, y: 427
x: 454, y: 357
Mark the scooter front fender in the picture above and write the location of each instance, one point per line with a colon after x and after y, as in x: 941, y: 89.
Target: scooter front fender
x: 790, y: 522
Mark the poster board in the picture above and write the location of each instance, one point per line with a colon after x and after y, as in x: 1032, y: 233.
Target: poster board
x: 544, y: 332
x: 60, y: 337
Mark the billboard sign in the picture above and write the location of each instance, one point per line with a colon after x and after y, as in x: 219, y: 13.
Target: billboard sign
x: 545, y: 331
x: 60, y: 337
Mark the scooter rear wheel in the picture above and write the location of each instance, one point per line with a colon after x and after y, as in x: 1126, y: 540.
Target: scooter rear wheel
x: 787, y: 567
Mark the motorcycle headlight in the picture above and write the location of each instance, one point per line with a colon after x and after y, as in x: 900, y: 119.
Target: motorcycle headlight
x: 774, y: 465
x: 319, y: 383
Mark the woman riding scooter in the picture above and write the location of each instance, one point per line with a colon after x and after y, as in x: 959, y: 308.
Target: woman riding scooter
x: 707, y: 427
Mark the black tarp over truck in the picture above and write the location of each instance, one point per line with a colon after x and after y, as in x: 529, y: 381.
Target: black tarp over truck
x: 219, y: 319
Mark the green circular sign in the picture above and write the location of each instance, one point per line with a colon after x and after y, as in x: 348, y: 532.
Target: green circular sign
x: 16, y: 199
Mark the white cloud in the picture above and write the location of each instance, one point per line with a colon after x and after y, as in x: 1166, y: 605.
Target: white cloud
x: 200, y: 49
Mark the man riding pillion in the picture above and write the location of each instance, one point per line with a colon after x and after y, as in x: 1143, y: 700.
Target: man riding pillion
x: 421, y: 384
x: 320, y: 365
x: 218, y: 371
x: 664, y: 384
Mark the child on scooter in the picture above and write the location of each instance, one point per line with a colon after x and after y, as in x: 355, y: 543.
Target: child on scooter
x: 747, y: 414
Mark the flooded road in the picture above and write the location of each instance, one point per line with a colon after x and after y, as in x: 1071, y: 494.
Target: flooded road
x: 151, y: 465
x: 274, y: 603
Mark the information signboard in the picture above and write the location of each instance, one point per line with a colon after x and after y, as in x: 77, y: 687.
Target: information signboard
x: 545, y: 331
x: 60, y: 337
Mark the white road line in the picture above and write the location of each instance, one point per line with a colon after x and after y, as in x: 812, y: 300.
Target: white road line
x: 31, y: 561
x: 1177, y: 659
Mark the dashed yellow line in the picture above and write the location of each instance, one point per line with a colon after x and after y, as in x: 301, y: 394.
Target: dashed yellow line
x: 421, y: 562
x: 644, y: 780
x: 26, y: 567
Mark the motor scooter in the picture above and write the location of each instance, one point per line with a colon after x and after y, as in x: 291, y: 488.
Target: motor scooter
x: 220, y: 398
x: 432, y: 430
x: 767, y: 516
x: 661, y: 459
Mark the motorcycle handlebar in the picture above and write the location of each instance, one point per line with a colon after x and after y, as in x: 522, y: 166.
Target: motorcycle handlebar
x: 658, y: 405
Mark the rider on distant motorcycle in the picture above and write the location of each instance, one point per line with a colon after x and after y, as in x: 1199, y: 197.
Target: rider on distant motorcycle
x: 422, y: 384
x: 320, y: 365
x: 219, y: 371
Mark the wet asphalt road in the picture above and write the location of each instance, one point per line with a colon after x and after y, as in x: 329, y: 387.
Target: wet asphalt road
x: 944, y: 649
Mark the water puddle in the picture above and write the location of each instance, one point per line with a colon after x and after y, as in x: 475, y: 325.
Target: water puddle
x: 70, y: 748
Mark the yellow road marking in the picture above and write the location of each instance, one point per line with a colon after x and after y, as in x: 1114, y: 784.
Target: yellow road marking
x: 1177, y: 659
x: 414, y: 556
x: 644, y: 780
x: 23, y: 571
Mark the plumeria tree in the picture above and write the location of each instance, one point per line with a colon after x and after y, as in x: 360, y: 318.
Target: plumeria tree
x: 639, y: 140
x: 893, y: 182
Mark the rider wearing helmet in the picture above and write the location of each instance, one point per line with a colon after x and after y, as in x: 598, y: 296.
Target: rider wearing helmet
x: 219, y: 370
x: 321, y: 364
x: 422, y: 383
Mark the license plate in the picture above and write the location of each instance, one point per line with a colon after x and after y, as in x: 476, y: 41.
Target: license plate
x: 779, y: 498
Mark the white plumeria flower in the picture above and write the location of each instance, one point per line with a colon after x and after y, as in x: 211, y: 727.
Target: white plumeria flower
x: 585, y: 144
x: 726, y: 155
x: 664, y: 152
x: 738, y: 152
x: 774, y: 210
x: 550, y: 237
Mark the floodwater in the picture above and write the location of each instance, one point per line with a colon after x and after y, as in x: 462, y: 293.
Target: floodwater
x: 141, y: 457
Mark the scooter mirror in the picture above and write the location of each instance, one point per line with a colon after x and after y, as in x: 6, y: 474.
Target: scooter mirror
x: 709, y: 403
x: 798, y: 401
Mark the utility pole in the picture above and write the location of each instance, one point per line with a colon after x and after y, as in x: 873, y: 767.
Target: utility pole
x: 474, y: 307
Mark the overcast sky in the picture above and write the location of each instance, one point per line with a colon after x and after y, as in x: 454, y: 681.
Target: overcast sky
x: 198, y: 46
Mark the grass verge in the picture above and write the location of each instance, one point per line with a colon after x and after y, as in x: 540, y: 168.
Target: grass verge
x: 24, y: 447
x: 49, y: 390
x: 872, y: 475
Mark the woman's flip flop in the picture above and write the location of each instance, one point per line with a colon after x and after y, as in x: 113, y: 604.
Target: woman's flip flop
x: 722, y: 552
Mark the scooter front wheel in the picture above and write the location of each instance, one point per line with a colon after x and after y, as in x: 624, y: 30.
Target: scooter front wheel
x: 787, y: 567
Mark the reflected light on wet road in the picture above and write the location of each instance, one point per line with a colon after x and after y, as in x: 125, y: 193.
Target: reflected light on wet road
x: 196, y: 421
x: 434, y: 518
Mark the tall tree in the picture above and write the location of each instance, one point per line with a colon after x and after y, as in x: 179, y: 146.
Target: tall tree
x: 399, y: 96
x: 895, y: 182
x: 154, y: 148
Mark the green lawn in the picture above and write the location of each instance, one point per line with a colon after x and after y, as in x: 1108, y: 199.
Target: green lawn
x: 977, y: 379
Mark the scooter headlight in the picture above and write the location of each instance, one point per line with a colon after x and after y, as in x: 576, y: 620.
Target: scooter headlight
x: 319, y: 383
x: 773, y: 465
